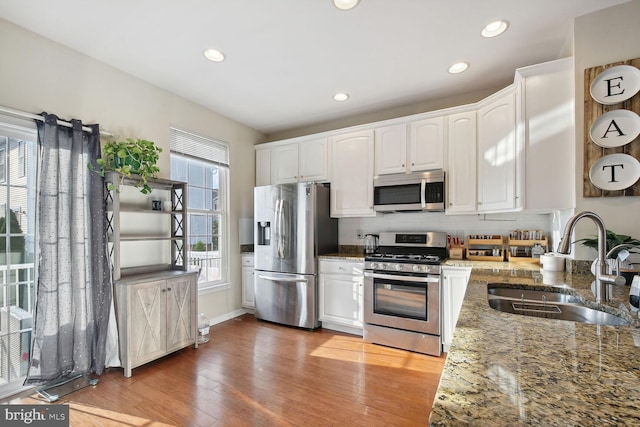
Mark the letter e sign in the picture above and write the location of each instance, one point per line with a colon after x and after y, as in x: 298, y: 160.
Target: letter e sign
x: 616, y: 84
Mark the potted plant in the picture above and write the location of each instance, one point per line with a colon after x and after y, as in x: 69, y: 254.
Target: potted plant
x: 613, y: 239
x: 132, y: 158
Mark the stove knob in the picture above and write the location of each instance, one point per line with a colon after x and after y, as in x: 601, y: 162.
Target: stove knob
x: 374, y: 265
x: 383, y: 266
x: 417, y: 268
x: 398, y: 267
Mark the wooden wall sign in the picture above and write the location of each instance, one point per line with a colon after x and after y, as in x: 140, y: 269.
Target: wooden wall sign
x: 612, y: 130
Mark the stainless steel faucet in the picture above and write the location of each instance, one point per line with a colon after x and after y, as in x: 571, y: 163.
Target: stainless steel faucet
x: 602, y: 278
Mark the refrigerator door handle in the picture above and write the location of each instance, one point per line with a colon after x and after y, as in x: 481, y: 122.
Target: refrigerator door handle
x: 278, y: 230
x: 283, y: 279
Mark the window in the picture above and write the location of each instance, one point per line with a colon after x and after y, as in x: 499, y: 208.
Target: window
x: 204, y: 164
x: 17, y: 247
x: 22, y: 160
x: 3, y: 159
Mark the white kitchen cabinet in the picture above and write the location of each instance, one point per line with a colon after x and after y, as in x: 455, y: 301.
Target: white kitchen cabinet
x: 352, y: 174
x: 391, y: 149
x: 284, y: 164
x: 426, y: 144
x: 248, y: 277
x: 461, y: 163
x: 454, y: 286
x: 547, y: 123
x: 156, y: 315
x: 340, y: 284
x: 263, y: 166
x: 300, y: 161
x: 313, y: 160
x: 499, y: 154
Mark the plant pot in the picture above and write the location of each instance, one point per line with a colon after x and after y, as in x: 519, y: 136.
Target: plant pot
x: 120, y: 162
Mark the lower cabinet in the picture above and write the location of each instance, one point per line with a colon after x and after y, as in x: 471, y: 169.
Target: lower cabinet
x: 157, y: 314
x: 454, y: 286
x: 248, y: 277
x: 341, y: 292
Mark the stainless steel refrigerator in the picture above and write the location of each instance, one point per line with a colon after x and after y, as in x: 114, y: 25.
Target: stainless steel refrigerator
x: 292, y: 227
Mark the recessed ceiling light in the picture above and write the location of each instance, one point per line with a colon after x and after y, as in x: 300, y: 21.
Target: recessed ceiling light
x: 214, y: 55
x: 458, y: 67
x: 495, y: 28
x: 345, y: 4
x: 341, y: 96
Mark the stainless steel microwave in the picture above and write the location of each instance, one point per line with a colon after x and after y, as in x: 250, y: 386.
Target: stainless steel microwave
x: 418, y: 191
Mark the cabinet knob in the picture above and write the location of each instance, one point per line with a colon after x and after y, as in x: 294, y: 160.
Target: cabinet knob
x: 169, y: 289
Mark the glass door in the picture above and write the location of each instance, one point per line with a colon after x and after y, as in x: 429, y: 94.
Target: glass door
x: 18, y: 161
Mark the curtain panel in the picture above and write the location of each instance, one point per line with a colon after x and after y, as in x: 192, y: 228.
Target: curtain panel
x: 73, y: 289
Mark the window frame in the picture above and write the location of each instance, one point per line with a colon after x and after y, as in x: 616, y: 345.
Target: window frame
x: 180, y: 150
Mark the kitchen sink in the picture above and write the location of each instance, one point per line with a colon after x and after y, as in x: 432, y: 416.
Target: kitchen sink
x: 549, y: 304
x: 532, y: 295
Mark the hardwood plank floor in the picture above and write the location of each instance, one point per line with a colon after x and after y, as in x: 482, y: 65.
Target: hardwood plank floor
x: 254, y: 373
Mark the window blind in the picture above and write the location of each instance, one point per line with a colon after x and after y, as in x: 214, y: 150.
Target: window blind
x: 192, y: 145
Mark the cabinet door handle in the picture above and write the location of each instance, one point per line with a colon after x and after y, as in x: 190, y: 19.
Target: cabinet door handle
x: 169, y: 289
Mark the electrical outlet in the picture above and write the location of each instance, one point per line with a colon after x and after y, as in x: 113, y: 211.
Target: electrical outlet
x: 359, y: 233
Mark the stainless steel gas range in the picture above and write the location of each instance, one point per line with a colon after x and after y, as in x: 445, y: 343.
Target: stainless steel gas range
x: 402, y: 291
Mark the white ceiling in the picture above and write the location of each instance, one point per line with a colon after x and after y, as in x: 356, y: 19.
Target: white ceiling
x: 286, y: 58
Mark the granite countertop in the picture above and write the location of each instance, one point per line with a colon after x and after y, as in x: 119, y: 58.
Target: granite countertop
x: 347, y: 256
x: 509, y: 370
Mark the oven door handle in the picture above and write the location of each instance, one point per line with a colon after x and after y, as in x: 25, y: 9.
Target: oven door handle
x: 417, y: 279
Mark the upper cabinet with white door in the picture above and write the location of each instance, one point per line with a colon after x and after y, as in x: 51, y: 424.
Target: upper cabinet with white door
x: 499, y: 154
x: 263, y: 166
x: 426, y: 144
x: 461, y: 163
x: 352, y: 174
x: 300, y: 161
x: 547, y: 125
x: 391, y: 149
x: 420, y: 148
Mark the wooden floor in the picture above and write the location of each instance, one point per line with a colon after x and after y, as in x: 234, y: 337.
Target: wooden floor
x: 254, y: 373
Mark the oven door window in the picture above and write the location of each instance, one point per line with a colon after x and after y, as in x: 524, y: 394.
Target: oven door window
x: 401, y: 299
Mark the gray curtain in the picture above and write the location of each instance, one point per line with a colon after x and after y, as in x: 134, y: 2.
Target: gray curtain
x: 73, y: 290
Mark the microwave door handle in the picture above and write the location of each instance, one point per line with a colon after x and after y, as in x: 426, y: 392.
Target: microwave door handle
x: 423, y: 187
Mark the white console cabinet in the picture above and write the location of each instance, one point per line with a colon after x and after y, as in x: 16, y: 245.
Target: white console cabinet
x: 341, y: 295
x: 155, y: 295
x: 156, y: 315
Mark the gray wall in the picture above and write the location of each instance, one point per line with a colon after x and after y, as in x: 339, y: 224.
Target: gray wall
x: 39, y: 75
